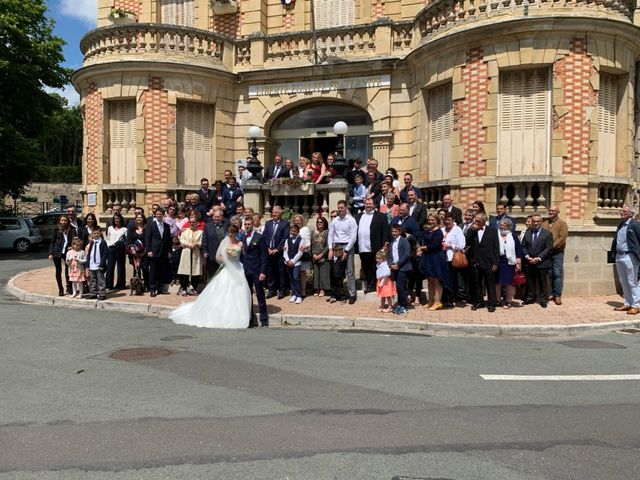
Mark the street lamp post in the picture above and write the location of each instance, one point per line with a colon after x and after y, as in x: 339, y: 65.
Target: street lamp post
x: 340, y: 163
x: 254, y: 165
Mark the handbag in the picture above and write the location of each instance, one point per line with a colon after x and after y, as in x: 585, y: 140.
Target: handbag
x: 459, y: 260
x: 611, y: 256
x: 519, y: 279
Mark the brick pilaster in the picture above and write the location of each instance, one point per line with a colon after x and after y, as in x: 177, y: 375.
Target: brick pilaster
x: 93, y: 112
x: 159, y: 120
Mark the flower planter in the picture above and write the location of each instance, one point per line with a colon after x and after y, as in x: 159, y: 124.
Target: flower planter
x: 225, y: 7
x: 286, y: 190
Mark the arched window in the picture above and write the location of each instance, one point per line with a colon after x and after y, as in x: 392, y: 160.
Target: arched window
x: 178, y: 12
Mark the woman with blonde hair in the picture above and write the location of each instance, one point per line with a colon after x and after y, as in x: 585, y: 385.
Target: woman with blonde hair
x: 433, y: 263
x: 318, y: 168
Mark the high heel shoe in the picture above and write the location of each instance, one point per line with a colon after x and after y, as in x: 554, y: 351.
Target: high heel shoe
x: 435, y: 306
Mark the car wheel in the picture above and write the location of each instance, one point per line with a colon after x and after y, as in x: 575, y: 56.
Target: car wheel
x: 22, y: 245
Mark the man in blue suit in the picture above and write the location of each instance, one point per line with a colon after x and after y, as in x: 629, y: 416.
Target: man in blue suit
x: 276, y: 231
x: 231, y: 196
x: 501, y: 214
x: 400, y: 265
x: 408, y: 223
x: 255, y: 263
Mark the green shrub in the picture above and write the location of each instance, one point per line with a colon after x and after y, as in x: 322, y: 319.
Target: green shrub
x: 59, y: 174
x: 28, y: 198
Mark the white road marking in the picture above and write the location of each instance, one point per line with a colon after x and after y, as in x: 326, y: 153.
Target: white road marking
x: 562, y: 378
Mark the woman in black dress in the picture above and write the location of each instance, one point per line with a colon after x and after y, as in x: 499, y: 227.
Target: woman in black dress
x: 60, y: 244
x: 135, y: 248
x: 433, y: 262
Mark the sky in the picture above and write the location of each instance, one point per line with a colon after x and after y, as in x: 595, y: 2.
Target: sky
x: 73, y: 18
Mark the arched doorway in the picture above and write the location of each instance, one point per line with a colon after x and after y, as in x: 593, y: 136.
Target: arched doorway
x: 309, y: 128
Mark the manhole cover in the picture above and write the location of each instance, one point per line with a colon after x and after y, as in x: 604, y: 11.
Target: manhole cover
x: 630, y: 330
x: 171, y: 338
x: 140, y: 353
x: 590, y: 344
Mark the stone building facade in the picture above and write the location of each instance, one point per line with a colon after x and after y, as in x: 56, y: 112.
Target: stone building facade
x: 531, y: 102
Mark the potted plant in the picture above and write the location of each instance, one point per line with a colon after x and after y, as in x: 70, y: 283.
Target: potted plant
x: 224, y: 7
x: 291, y: 186
x: 121, y: 15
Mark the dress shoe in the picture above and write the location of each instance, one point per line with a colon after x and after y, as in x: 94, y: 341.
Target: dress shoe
x: 557, y: 300
x: 264, y: 324
x: 92, y: 297
x: 352, y: 300
x: 280, y: 295
x: 633, y: 311
x: 270, y: 295
x: 528, y: 302
x: 61, y: 293
x: 623, y: 308
x: 153, y: 293
x: 491, y: 308
x: 543, y: 304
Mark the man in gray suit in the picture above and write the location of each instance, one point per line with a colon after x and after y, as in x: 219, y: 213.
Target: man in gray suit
x: 626, y: 245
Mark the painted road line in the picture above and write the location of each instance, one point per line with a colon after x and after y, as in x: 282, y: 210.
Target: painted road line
x: 563, y: 378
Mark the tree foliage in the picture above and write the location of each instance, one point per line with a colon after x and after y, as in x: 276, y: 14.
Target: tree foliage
x: 30, y: 60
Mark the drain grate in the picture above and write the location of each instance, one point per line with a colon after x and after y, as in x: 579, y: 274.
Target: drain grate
x: 140, y: 353
x: 171, y: 338
x: 633, y: 331
x: 378, y: 332
x: 590, y: 344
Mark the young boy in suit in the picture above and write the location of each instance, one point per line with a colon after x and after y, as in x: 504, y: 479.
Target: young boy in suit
x: 97, y: 257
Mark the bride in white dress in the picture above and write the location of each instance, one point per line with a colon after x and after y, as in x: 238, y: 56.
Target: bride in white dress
x: 226, y: 301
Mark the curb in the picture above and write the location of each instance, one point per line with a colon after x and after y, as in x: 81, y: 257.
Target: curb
x: 336, y: 323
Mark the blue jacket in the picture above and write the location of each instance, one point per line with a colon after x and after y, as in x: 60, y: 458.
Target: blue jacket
x: 230, y: 200
x: 103, y: 254
x: 255, y: 258
x: 281, y: 234
x: 404, y: 255
x: 633, y: 238
x: 409, y: 225
x: 493, y: 222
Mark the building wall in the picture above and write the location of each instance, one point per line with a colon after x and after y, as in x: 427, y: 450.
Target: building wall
x: 575, y: 53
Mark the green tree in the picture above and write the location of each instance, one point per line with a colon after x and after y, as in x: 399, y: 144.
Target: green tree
x: 30, y: 60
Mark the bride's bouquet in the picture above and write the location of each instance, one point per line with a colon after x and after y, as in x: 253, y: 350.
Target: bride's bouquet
x: 234, y: 252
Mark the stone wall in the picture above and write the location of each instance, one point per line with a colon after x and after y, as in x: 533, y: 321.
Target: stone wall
x: 45, y: 192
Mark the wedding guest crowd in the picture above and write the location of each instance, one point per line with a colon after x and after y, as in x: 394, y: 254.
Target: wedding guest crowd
x: 465, y: 257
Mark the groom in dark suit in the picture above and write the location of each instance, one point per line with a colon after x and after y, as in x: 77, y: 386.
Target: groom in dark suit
x: 483, y: 255
x: 157, y: 241
x: 255, y: 263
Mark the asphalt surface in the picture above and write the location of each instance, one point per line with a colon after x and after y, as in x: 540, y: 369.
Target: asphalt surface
x: 300, y: 404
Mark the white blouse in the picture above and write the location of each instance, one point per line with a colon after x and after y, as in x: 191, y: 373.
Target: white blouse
x: 453, y: 241
x: 114, y: 235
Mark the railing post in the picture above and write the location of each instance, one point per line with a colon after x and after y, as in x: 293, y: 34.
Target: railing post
x: 383, y: 38
x: 258, y: 46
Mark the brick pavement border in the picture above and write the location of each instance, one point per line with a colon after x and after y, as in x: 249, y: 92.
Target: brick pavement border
x: 284, y: 321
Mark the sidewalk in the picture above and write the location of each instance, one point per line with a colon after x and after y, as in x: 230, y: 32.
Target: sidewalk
x: 578, y: 315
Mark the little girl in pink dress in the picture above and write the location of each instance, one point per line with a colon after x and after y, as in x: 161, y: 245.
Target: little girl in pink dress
x: 385, y: 288
x: 76, y: 259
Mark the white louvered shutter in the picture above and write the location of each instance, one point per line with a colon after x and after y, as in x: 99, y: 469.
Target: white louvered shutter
x: 607, y: 110
x: 195, y: 142
x: 524, y: 123
x: 178, y: 12
x: 169, y: 9
x: 122, y: 141
x: 440, y: 127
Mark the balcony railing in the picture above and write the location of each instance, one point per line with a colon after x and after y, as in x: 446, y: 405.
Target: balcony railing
x: 432, y: 197
x: 150, y: 39
x: 442, y: 15
x: 611, y: 198
x: 124, y: 197
x: 525, y: 198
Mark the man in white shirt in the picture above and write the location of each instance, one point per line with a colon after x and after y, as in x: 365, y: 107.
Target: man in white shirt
x: 343, y: 233
x: 373, y: 232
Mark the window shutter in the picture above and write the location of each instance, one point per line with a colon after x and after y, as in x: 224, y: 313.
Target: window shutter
x: 169, y: 12
x: 523, y: 123
x: 607, y: 110
x: 122, y: 141
x: 195, y: 142
x: 440, y: 126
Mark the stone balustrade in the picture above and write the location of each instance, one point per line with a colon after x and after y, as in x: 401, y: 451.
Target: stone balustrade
x: 432, y: 197
x: 525, y: 198
x: 611, y: 198
x: 147, y: 38
x: 441, y: 15
x: 123, y: 197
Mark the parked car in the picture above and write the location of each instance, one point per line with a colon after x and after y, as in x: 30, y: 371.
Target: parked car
x: 18, y: 233
x: 47, y: 223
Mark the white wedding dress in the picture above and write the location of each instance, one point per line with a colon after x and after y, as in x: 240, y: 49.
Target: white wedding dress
x: 225, y: 302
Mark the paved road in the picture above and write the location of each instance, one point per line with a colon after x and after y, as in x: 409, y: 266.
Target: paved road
x: 270, y: 404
